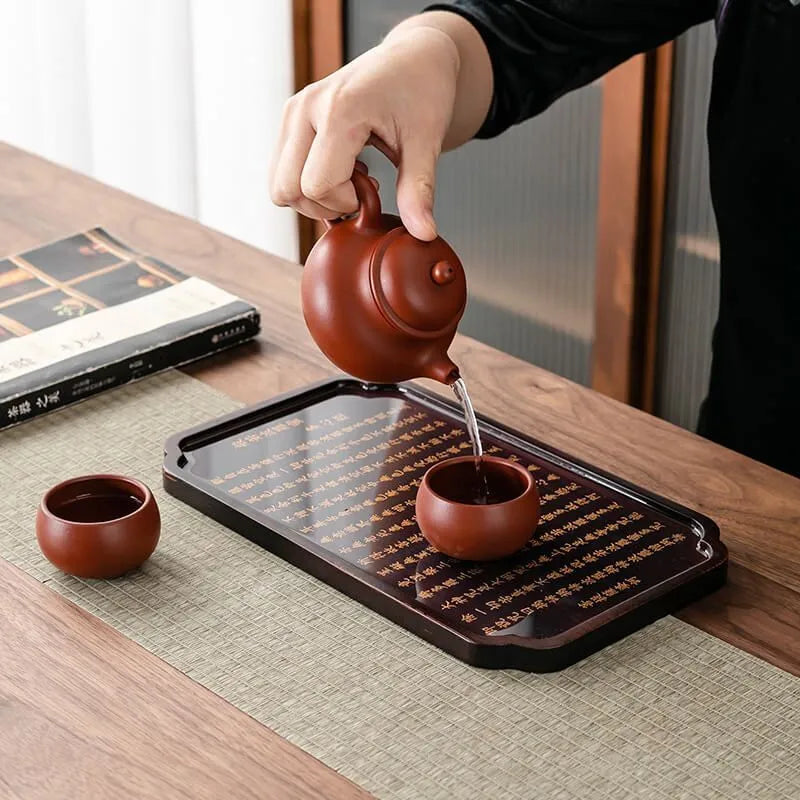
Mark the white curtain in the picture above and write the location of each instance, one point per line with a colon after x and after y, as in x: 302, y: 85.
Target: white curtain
x: 176, y: 101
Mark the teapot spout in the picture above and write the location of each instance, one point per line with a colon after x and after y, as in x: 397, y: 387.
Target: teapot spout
x: 443, y: 370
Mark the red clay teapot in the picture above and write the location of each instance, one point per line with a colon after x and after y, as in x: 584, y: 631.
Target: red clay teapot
x: 382, y: 305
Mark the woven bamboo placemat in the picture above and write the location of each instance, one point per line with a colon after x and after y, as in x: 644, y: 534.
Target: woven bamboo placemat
x: 670, y: 712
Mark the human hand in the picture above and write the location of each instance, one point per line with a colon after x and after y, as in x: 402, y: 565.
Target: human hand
x: 400, y: 96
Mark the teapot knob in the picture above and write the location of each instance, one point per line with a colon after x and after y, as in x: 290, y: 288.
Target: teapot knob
x: 443, y: 273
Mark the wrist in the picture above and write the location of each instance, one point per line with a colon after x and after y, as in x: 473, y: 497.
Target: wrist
x: 474, y: 78
x: 436, y: 30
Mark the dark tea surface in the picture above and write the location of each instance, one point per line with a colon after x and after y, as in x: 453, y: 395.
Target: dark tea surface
x: 97, y: 508
x: 480, y: 483
x: 343, y: 471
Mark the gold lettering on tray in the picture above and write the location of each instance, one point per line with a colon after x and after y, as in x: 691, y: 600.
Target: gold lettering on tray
x: 597, y: 598
x: 351, y: 484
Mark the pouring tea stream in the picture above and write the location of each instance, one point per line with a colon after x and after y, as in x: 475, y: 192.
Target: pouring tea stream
x: 384, y: 307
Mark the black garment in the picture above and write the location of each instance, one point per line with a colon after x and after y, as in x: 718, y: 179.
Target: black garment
x: 541, y: 49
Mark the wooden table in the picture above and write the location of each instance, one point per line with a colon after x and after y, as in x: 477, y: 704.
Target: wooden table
x: 62, y: 670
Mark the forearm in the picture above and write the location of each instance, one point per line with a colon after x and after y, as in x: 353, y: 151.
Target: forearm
x: 474, y: 87
x: 540, y: 49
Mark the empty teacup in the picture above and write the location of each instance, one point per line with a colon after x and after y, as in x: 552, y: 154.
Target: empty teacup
x: 98, y: 526
x: 477, y: 515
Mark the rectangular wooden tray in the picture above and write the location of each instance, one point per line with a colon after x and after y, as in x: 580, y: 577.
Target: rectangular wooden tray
x: 326, y: 478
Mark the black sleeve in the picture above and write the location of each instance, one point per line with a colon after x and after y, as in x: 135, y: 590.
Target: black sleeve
x: 541, y: 49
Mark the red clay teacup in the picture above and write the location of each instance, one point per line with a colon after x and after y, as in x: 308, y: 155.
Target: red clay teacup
x: 98, y: 526
x: 457, y: 517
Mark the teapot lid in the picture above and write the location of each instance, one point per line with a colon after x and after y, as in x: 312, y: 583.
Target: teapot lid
x: 419, y: 286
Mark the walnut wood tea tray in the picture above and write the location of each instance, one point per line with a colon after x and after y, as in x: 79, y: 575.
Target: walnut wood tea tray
x: 326, y: 478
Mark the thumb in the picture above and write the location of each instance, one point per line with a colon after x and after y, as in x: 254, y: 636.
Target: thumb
x: 416, y: 179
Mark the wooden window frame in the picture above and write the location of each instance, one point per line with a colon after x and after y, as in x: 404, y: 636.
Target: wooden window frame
x: 318, y: 50
x: 634, y: 153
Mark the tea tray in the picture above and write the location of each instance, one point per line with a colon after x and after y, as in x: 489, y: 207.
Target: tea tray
x: 326, y: 478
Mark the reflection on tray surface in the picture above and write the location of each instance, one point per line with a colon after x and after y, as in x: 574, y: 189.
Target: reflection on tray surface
x: 344, y: 472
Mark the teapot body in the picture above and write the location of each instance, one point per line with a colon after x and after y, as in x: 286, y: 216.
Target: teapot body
x: 380, y: 304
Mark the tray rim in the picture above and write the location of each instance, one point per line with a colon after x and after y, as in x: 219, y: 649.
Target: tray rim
x: 496, y: 650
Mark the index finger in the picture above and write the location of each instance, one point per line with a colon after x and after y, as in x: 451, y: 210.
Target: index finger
x: 329, y: 166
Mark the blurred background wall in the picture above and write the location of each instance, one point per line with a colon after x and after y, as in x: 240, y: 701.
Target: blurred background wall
x: 690, y: 271
x: 176, y: 101
x: 179, y: 102
x: 521, y: 212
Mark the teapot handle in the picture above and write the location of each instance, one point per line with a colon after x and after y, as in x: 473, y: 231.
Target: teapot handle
x: 369, y: 203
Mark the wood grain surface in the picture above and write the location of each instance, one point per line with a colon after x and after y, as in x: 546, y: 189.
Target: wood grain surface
x: 87, y: 713
x: 756, y: 507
